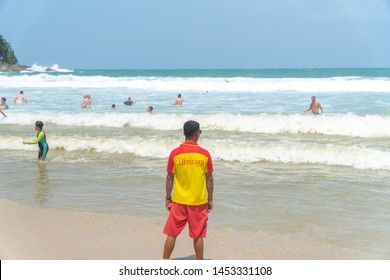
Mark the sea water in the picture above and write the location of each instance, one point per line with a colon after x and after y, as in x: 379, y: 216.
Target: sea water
x: 322, y: 179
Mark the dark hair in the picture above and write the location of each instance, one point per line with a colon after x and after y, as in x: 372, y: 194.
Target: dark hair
x: 3, y: 98
x: 190, y: 127
x: 179, y: 95
x: 39, y: 124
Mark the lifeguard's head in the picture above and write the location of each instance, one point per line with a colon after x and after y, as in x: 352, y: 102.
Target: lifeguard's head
x: 191, y: 129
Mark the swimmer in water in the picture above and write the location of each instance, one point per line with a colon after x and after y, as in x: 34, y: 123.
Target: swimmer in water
x: 3, y: 106
x: 179, y: 101
x: 314, y: 107
x: 20, y: 98
x: 87, y: 101
x: 129, y: 101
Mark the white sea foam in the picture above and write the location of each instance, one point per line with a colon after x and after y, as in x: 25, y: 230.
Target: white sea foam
x: 42, y: 69
x: 256, y: 85
x: 222, y: 149
x: 370, y: 126
x: 298, y: 153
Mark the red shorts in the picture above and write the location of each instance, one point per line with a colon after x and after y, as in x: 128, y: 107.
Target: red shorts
x: 180, y: 214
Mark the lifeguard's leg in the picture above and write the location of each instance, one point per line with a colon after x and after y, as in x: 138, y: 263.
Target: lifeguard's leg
x: 169, y: 246
x: 199, y: 248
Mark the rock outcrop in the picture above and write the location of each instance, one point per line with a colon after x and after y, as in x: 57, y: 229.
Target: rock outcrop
x: 4, y: 67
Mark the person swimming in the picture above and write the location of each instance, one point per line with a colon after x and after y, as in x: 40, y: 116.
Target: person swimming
x: 20, y: 98
x: 178, y: 101
x: 3, y: 106
x: 129, y: 102
x: 87, y: 101
x: 315, y: 107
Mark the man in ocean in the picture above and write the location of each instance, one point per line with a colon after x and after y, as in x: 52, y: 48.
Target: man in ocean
x: 190, y: 173
x: 20, y: 98
x: 129, y: 101
x: 314, y: 107
x: 178, y: 101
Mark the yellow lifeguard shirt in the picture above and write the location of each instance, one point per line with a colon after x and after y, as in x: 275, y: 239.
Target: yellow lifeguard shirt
x: 190, y: 163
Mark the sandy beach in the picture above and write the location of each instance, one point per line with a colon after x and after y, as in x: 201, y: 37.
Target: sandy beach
x: 56, y: 234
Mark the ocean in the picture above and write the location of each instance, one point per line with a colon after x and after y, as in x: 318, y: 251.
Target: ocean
x: 319, y: 180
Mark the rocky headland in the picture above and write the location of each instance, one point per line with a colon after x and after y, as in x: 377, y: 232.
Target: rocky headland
x: 5, y: 67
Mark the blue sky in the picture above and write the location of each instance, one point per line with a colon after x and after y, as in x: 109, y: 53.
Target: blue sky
x: 177, y: 34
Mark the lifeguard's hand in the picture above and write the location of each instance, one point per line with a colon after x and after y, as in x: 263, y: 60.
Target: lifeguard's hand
x: 209, y: 207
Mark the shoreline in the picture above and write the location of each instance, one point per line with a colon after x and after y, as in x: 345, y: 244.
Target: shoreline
x: 55, y: 234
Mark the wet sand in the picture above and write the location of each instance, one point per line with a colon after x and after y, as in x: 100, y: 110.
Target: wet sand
x: 55, y: 234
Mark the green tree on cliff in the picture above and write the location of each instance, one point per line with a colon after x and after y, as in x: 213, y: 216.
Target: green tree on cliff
x: 7, y: 54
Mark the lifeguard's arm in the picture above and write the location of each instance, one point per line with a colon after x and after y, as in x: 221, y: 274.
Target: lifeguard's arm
x: 36, y: 141
x: 210, y: 190
x: 169, y: 187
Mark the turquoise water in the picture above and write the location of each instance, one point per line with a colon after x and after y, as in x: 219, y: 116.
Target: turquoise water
x: 323, y: 180
x: 225, y: 73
